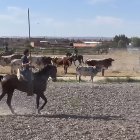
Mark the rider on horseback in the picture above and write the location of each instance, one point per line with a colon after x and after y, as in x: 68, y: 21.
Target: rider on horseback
x: 27, y: 72
x: 75, y: 52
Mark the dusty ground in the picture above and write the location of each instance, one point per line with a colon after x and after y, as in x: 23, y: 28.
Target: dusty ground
x: 75, y: 111
x: 82, y: 111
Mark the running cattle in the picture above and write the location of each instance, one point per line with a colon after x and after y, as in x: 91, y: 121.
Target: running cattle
x: 38, y: 61
x: 87, y: 71
x: 6, y: 60
x: 62, y: 61
x: 104, y: 63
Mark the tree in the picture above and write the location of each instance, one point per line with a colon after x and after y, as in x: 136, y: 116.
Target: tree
x: 121, y: 40
x: 121, y: 44
x: 135, y: 41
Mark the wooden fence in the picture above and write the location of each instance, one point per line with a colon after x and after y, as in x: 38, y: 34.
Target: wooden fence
x: 57, y: 50
x: 60, y: 50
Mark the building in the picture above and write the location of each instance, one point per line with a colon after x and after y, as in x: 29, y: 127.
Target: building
x: 86, y: 44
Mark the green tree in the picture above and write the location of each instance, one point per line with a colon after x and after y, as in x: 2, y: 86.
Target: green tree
x: 121, y: 40
x: 135, y: 41
x: 121, y: 44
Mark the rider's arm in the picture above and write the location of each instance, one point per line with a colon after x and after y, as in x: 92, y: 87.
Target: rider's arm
x: 26, y: 64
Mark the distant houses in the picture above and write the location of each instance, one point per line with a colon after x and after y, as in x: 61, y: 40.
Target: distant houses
x: 49, y: 42
x: 87, y: 44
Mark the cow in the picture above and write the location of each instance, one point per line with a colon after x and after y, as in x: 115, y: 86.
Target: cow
x: 104, y: 63
x: 87, y: 71
x: 6, y: 60
x: 62, y: 61
x: 38, y: 61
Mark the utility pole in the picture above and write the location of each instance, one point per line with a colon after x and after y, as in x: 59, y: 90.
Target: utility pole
x: 29, y: 31
x: 31, y: 76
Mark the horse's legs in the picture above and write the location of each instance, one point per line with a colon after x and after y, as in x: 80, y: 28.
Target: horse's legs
x: 76, y: 76
x: 2, y: 95
x: 9, y: 98
x: 45, y: 101
x: 103, y: 72
x: 80, y: 62
x: 74, y: 63
x: 37, y: 101
x: 79, y: 78
x: 92, y: 78
x: 65, y: 69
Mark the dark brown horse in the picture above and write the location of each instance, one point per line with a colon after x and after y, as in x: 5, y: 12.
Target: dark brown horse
x: 74, y: 58
x: 10, y: 83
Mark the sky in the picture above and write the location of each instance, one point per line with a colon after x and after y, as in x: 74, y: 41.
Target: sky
x: 70, y: 18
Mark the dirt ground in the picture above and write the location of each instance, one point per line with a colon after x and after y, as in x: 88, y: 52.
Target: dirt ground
x: 75, y: 111
x: 79, y: 111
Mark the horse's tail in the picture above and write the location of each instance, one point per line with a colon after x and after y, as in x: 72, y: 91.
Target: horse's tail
x: 1, y: 77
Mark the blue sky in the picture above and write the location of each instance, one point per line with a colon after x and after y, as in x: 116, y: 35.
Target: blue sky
x: 70, y: 18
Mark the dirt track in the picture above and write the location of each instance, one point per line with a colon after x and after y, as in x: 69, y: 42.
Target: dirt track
x: 75, y: 111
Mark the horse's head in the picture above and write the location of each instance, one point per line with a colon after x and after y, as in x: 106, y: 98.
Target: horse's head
x: 52, y: 72
x: 46, y: 60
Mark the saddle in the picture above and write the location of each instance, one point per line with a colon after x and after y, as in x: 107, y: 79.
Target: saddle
x: 21, y: 76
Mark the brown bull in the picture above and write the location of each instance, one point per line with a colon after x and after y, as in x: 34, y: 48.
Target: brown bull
x: 62, y: 61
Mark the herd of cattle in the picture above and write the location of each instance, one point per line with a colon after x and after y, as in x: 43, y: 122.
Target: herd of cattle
x: 89, y: 68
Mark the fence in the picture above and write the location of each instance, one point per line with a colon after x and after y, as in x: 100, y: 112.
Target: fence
x: 59, y: 50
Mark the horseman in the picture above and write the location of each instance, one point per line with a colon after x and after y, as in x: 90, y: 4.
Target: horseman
x: 27, y: 72
x: 75, y: 52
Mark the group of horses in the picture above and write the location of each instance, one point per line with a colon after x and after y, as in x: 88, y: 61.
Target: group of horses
x: 10, y: 82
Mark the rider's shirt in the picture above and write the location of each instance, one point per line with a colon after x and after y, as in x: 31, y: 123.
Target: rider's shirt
x: 25, y: 60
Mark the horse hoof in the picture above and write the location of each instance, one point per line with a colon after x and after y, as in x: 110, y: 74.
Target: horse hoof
x: 39, y: 112
x: 14, y: 113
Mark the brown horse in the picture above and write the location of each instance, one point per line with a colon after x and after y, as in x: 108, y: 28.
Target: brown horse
x: 10, y: 83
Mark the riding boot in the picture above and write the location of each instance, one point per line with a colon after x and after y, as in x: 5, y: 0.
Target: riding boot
x: 30, y: 89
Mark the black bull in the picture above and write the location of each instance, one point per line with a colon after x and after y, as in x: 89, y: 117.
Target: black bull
x: 105, y: 63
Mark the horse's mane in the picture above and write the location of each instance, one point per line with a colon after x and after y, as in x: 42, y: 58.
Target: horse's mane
x: 43, y: 71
